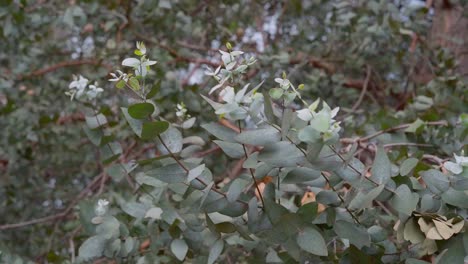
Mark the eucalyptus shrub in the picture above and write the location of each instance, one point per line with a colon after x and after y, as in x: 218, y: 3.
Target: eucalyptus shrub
x: 301, y: 194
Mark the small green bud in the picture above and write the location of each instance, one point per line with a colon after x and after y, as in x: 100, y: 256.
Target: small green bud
x: 284, y: 75
x: 228, y: 46
x: 301, y: 86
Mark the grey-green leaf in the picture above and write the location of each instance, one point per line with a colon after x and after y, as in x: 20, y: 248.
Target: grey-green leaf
x: 301, y: 174
x: 179, y: 248
x: 259, y: 137
x: 312, y: 241
x: 408, y: 165
x: 220, y: 131
x: 93, y: 247
x: 235, y: 189
x: 171, y: 173
x: 364, y: 200
x: 233, y: 150
x: 135, y: 124
x: 404, y: 201
x: 94, y: 122
x: 215, y: 251
x: 282, y: 154
x: 381, y: 169
x: 435, y: 181
x: 357, y: 235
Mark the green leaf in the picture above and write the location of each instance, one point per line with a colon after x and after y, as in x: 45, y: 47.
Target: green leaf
x: 308, y: 211
x: 282, y: 154
x: 301, y: 174
x: 415, y: 261
x: 134, y: 83
x: 110, y: 152
x: 152, y: 130
x: 312, y: 241
x: 215, y: 250
x: 274, y: 210
x: 259, y: 137
x: 94, y: 122
x: 154, y: 90
x: 404, y: 201
x: 171, y: 173
x: 120, y: 84
x: 364, y: 200
x: 381, y: 169
x: 413, y: 127
x: 276, y: 93
x: 268, y: 108
x: 93, y: 247
x: 357, y: 235
x: 141, y: 110
x: 407, y: 166
x: 233, y: 150
x: 179, y: 248
x: 225, y: 227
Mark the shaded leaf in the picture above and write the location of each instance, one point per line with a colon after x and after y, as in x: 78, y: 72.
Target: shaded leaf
x: 302, y: 174
x: 141, y: 110
x: 152, y: 130
x: 312, y: 241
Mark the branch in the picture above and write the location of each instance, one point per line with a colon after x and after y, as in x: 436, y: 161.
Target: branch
x: 58, y: 216
x: 64, y: 64
x: 400, y: 127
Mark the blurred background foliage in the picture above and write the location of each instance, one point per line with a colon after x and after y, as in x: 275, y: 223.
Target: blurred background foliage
x: 415, y: 51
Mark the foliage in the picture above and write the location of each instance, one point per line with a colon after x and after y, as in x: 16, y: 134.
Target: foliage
x: 370, y: 179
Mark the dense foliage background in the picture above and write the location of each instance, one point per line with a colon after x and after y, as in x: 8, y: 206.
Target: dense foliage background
x: 397, y: 70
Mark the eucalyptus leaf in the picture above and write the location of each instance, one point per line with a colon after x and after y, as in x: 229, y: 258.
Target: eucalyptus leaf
x: 312, y: 241
x: 141, y: 110
x: 179, y: 248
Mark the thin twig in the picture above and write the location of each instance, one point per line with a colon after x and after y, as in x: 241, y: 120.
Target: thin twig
x: 341, y: 198
x: 361, y: 95
x: 251, y: 170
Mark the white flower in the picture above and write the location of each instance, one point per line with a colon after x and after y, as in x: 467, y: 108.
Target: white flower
x: 78, y: 85
x: 284, y: 83
x: 101, y: 207
x: 457, y: 166
x: 140, y: 65
x: 118, y: 76
x: 141, y: 47
x: 181, y: 111
x: 94, y: 91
